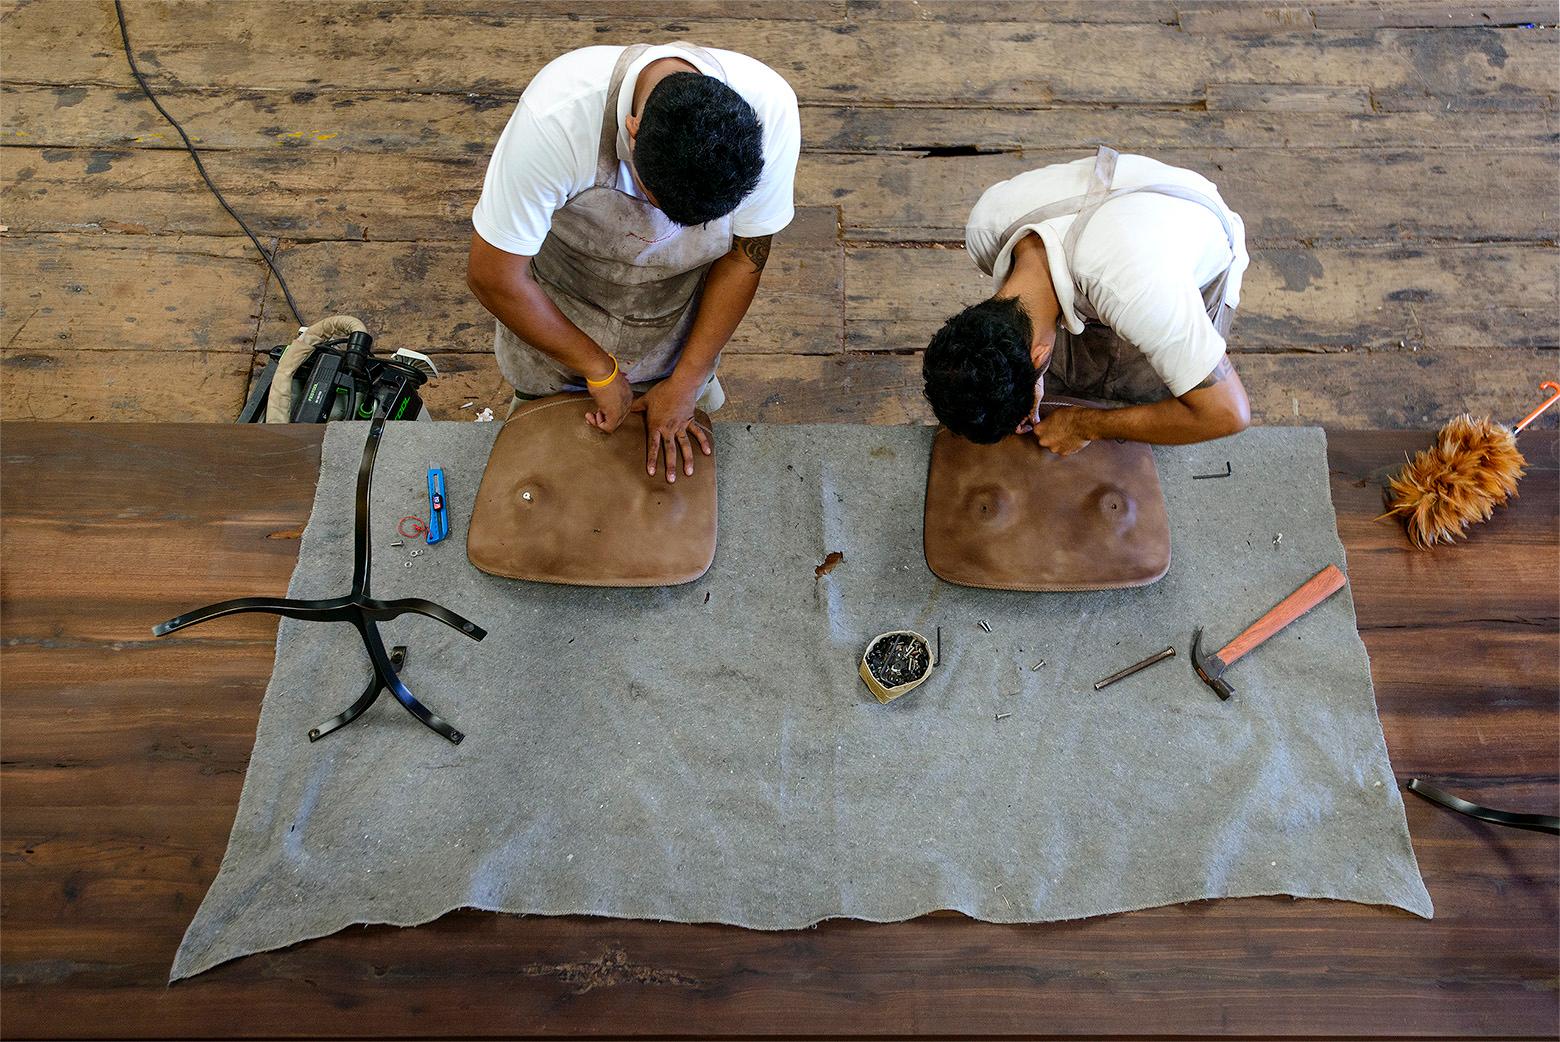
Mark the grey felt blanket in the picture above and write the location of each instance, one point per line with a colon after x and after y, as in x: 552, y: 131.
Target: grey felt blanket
x: 708, y: 753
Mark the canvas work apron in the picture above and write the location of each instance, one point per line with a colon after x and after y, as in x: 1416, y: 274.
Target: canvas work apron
x: 1097, y: 363
x: 621, y: 270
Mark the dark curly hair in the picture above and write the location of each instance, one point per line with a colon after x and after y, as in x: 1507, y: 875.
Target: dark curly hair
x: 699, y: 149
x: 979, y: 376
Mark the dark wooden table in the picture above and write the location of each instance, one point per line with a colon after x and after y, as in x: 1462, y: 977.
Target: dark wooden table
x: 124, y: 756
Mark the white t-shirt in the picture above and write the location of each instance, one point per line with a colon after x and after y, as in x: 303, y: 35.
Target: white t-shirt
x: 1140, y: 263
x: 547, y: 153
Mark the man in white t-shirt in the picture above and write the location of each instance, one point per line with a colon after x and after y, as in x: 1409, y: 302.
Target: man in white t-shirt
x: 1118, y: 277
x: 624, y: 222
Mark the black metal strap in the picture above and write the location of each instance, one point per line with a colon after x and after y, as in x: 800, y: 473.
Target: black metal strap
x: 1531, y: 822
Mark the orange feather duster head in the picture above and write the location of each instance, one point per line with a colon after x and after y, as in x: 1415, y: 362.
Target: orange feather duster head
x: 1472, y: 468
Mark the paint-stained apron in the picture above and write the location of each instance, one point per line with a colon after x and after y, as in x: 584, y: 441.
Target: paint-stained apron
x: 621, y: 270
x: 1097, y: 363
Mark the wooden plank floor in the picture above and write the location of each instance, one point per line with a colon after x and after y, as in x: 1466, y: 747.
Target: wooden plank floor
x: 1394, y: 161
x: 123, y: 757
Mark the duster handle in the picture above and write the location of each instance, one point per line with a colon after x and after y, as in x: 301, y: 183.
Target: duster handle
x: 1547, y: 385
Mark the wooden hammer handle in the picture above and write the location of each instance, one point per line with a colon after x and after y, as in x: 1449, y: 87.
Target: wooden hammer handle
x: 1317, y: 589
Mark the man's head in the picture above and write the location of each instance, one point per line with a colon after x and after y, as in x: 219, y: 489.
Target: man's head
x: 979, y: 371
x: 698, y: 147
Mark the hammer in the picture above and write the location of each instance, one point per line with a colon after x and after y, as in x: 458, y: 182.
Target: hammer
x: 1317, y: 589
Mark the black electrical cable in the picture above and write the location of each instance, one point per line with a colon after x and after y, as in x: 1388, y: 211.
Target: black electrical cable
x: 135, y: 70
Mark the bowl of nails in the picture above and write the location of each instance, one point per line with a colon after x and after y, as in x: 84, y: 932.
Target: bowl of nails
x: 896, y: 663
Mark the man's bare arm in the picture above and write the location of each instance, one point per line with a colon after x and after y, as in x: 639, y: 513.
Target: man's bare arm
x: 503, y: 283
x: 1216, y: 407
x: 728, y: 293
x: 669, y: 405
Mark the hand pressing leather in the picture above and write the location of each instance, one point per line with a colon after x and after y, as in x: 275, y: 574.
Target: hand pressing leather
x: 612, y: 404
x: 668, y: 409
x: 1063, y: 432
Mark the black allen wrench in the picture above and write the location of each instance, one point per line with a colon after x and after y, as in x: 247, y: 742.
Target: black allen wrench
x: 1228, y: 470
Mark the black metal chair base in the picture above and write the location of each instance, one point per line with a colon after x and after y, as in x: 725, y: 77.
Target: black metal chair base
x: 364, y: 612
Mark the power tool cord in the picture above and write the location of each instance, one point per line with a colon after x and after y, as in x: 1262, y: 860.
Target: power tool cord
x: 135, y: 70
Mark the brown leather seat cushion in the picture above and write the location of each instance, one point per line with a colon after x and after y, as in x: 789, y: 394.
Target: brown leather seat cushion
x: 595, y: 518
x: 1016, y: 516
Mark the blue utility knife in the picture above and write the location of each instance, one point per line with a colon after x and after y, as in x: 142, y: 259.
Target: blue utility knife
x: 438, y: 516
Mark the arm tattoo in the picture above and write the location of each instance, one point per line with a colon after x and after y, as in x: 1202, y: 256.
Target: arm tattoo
x: 1220, y: 371
x: 755, y: 250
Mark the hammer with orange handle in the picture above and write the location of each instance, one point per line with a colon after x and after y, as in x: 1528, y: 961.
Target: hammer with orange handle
x: 1211, y: 668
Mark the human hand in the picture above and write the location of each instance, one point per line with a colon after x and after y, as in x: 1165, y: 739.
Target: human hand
x: 612, y: 403
x: 1063, y: 431
x: 668, y: 409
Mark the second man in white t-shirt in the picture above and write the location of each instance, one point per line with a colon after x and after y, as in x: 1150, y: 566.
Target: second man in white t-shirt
x: 623, y: 226
x: 1118, y: 276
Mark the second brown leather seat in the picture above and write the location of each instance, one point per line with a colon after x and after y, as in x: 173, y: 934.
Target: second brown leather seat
x: 1016, y: 516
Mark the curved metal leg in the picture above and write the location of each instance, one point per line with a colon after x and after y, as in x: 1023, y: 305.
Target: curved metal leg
x: 1511, y: 819
x: 369, y: 697
x: 334, y: 609
x: 361, y: 557
x: 382, y: 665
x: 384, y: 611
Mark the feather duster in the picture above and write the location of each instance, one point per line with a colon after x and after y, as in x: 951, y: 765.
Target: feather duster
x: 1472, y: 468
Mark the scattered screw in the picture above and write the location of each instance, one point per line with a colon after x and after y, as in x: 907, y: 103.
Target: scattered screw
x: 1278, y: 539
x: 983, y: 626
x: 1036, y: 667
x: 1003, y: 716
x: 397, y: 543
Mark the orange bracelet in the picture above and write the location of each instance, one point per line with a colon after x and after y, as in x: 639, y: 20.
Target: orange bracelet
x: 607, y: 379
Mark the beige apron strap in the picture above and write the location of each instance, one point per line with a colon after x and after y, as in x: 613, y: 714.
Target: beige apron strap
x: 1099, y: 192
x: 606, y: 149
x: 606, y: 152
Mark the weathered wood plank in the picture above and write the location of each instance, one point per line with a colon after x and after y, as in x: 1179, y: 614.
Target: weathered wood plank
x: 1244, y: 17
x: 1223, y: 16
x: 77, y: 385
x: 1162, y: 12
x: 129, y: 292
x: 1284, y: 97
x: 1371, y: 14
x: 317, y: 48
x: 1322, y: 299
x: 292, y: 196
x: 1285, y: 196
x: 1151, y: 130
x: 468, y: 125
